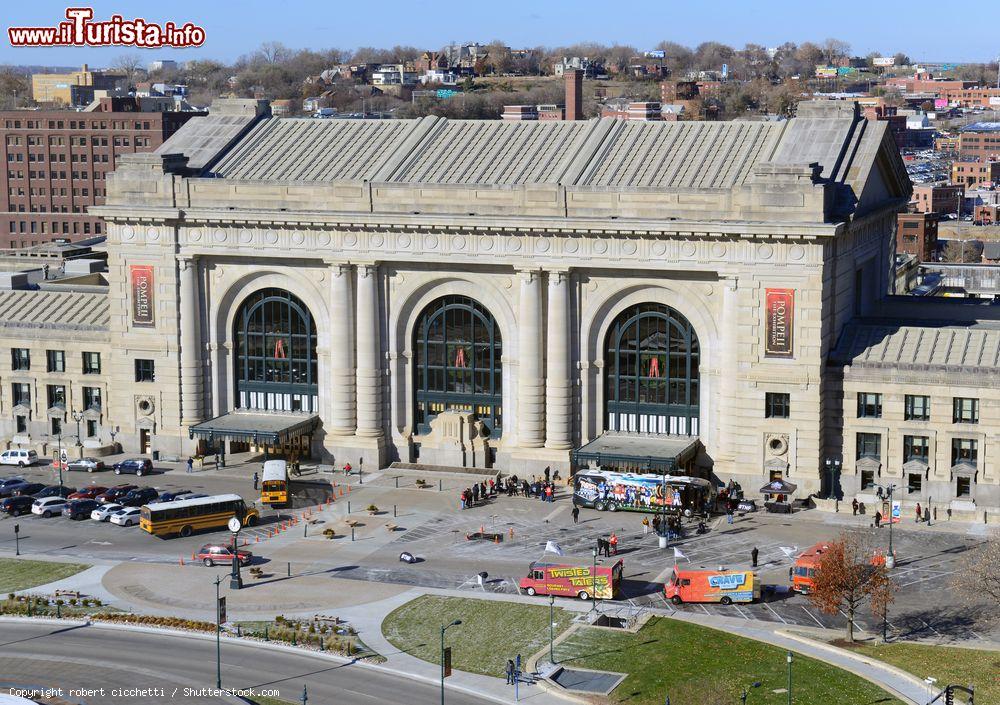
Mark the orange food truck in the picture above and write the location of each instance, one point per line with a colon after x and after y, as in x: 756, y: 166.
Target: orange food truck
x: 701, y: 585
x: 804, y: 571
x: 571, y: 580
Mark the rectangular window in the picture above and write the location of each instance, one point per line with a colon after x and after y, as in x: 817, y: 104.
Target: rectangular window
x: 917, y: 407
x: 964, y: 451
x: 92, y: 398
x: 777, y: 405
x: 91, y: 428
x: 21, y: 394
x: 869, y: 446
x: 914, y: 482
x: 22, y: 424
x: 915, y: 448
x: 869, y: 405
x: 965, y: 410
x: 145, y: 371
x: 91, y: 363
x: 20, y: 359
x: 56, y: 360
x: 867, y: 479
x: 56, y: 426
x: 963, y: 487
x: 56, y: 396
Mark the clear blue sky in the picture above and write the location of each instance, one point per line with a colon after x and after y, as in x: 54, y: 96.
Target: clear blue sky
x: 920, y: 28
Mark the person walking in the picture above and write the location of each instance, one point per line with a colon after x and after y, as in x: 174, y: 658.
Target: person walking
x: 256, y: 481
x: 475, y: 494
x: 729, y: 514
x: 878, y: 519
x: 645, y: 526
x: 548, y: 493
x: 462, y: 496
x: 753, y: 556
x: 920, y: 514
x: 854, y: 506
x: 190, y: 465
x: 613, y: 543
x: 576, y: 514
x: 510, y: 671
x: 927, y: 516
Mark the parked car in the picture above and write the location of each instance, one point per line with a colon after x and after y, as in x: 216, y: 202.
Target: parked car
x: 212, y: 553
x: 10, y: 485
x: 28, y: 488
x: 126, y: 516
x: 47, y: 506
x: 115, y: 493
x: 88, y: 492
x: 171, y: 496
x: 19, y: 457
x: 86, y: 464
x: 16, y: 506
x: 63, y: 491
x: 139, y: 466
x: 81, y: 508
x: 104, y: 511
x: 138, y: 497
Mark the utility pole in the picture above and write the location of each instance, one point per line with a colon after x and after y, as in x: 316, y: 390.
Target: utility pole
x: 218, y: 635
x: 789, y: 657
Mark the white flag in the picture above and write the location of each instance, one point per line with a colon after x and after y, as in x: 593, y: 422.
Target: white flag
x: 789, y: 551
x: 678, y: 554
x: 553, y: 547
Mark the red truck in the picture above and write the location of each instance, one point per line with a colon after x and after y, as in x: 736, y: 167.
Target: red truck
x: 574, y: 580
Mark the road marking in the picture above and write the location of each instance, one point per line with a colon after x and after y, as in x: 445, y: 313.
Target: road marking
x: 553, y: 513
x: 930, y: 627
x: 775, y: 613
x: 705, y: 608
x: 742, y: 614
x: 857, y: 624
x: 804, y: 609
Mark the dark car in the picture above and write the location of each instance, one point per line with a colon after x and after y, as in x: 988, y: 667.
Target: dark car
x: 28, y: 488
x: 81, y: 508
x: 171, y: 496
x: 55, y: 491
x: 115, y: 493
x: 138, y: 466
x: 138, y: 497
x: 7, y: 487
x: 16, y: 506
x: 88, y: 492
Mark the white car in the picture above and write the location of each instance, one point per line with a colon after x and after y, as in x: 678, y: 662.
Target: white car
x: 47, y: 506
x: 126, y: 516
x: 104, y: 512
x: 18, y: 457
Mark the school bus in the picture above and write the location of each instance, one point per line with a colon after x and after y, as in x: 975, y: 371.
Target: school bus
x: 185, y: 516
x: 274, y: 485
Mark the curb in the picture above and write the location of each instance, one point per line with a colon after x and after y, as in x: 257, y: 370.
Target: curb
x: 258, y: 645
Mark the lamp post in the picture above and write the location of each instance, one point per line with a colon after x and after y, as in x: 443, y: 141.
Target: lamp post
x: 832, y: 466
x: 59, y: 459
x: 305, y: 696
x: 218, y: 636
x: 114, y: 432
x: 78, y: 417
x: 235, y: 524
x: 552, y: 607
x: 593, y: 580
x: 789, y: 658
x: 17, y: 539
x: 890, y: 562
x: 455, y: 623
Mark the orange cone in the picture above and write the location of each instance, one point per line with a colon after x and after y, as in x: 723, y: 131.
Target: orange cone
x: 348, y: 489
x: 496, y: 538
x: 512, y: 532
x: 193, y: 557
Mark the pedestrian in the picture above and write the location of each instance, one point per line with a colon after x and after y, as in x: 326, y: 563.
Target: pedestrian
x: 576, y: 514
x: 493, y: 488
x: 645, y: 526
x: 510, y: 671
x: 854, y: 506
x: 927, y: 516
x: 548, y: 473
x: 656, y: 524
x: 548, y: 493
x: 935, y: 513
x: 475, y: 494
x: 462, y: 496
x: 256, y: 481
x: 347, y: 468
x: 919, y: 513
x: 753, y: 556
x: 613, y: 543
x: 217, y: 464
x: 190, y: 465
x: 729, y: 515
x: 878, y: 492
x: 878, y: 519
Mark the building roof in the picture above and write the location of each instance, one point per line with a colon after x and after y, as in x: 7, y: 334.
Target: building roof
x: 982, y: 127
x: 55, y: 309
x: 879, y: 344
x: 203, y: 138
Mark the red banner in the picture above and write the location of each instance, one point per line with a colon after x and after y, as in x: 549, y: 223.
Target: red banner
x: 779, y: 323
x: 143, y: 295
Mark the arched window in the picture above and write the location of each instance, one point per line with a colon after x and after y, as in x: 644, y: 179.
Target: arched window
x: 457, y: 354
x: 651, y: 372
x: 275, y: 339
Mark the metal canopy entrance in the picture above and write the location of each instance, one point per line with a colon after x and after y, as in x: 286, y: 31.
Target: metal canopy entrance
x: 257, y: 428
x: 638, y: 453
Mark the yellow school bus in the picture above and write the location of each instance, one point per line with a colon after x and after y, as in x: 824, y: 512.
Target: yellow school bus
x: 185, y: 516
x: 274, y: 485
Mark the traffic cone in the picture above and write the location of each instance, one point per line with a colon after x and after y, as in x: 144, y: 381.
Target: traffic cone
x: 482, y: 529
x: 258, y: 539
x: 348, y: 489
x: 496, y: 538
x: 341, y: 491
x: 512, y: 533
x: 193, y: 558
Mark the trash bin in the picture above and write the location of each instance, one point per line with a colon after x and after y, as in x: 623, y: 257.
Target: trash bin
x: 156, y: 455
x: 663, y: 541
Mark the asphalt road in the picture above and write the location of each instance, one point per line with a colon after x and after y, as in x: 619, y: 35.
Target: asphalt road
x: 45, y: 655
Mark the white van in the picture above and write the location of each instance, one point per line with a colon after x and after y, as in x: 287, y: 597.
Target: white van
x: 18, y: 457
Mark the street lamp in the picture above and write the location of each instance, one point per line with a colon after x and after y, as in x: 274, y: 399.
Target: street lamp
x: 443, y: 629
x: 235, y: 524
x: 789, y: 658
x: 832, y: 467
x: 593, y: 580
x: 746, y: 691
x: 552, y: 607
x: 218, y: 635
x: 114, y: 432
x: 78, y: 417
x: 59, y: 459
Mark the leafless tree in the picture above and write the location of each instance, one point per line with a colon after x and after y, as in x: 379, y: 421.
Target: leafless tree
x: 130, y: 65
x: 978, y: 578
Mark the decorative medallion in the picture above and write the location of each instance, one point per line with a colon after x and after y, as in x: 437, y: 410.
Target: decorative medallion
x: 323, y: 239
x: 629, y: 247
x: 458, y: 242
x: 718, y: 250
x: 377, y: 239
x: 688, y: 249
x: 513, y: 244
x: 128, y: 232
x: 542, y: 245
x: 486, y: 243
x: 402, y: 240
x: 350, y: 240
x: 220, y: 235
x: 298, y: 238
x: 765, y: 251
x: 571, y: 246
x: 246, y: 237
x: 430, y: 242
x: 152, y: 234
x: 796, y: 252
x: 270, y: 237
x: 659, y: 249
x: 600, y: 247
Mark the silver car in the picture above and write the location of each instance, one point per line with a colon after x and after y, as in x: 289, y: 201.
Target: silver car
x: 104, y: 512
x: 86, y: 464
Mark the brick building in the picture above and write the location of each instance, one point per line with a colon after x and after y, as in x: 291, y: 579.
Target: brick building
x: 75, y: 88
x: 975, y: 173
x: 937, y: 199
x: 917, y: 234
x: 56, y: 161
x: 980, y: 140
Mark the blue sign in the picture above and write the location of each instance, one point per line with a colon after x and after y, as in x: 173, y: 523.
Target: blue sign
x: 656, y: 54
x: 446, y: 93
x: 725, y: 70
x: 727, y: 582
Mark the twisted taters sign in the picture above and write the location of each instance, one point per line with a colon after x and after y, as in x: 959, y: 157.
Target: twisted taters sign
x: 143, y: 297
x: 779, y: 322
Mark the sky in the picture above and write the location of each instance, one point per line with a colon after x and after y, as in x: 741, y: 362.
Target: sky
x: 918, y: 28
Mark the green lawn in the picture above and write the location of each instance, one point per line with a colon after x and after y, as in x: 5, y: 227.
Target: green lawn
x: 699, y: 666
x: 946, y: 663
x: 20, y: 574
x: 490, y: 633
x: 271, y: 701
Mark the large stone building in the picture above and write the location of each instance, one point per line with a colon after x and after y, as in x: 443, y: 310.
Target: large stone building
x: 522, y: 295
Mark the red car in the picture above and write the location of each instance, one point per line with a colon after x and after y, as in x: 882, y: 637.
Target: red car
x: 88, y: 493
x: 114, y: 493
x: 212, y: 553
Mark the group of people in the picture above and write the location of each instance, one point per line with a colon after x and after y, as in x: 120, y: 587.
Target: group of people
x: 608, y: 547
x: 480, y: 491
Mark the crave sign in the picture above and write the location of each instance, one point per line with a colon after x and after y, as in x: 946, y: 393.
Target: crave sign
x: 778, y: 326
x: 141, y: 277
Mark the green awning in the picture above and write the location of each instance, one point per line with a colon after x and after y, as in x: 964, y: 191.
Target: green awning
x: 255, y: 427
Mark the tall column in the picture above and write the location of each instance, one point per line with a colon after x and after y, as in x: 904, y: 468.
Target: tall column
x: 190, y: 343
x: 342, y: 377
x: 727, y: 370
x: 369, y: 353
x: 530, y: 385
x: 558, y: 386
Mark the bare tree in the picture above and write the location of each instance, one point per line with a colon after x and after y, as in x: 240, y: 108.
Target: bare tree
x: 130, y: 65
x: 847, y: 578
x: 834, y: 49
x: 978, y: 578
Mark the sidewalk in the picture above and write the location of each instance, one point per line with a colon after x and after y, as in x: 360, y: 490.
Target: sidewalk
x: 848, y: 520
